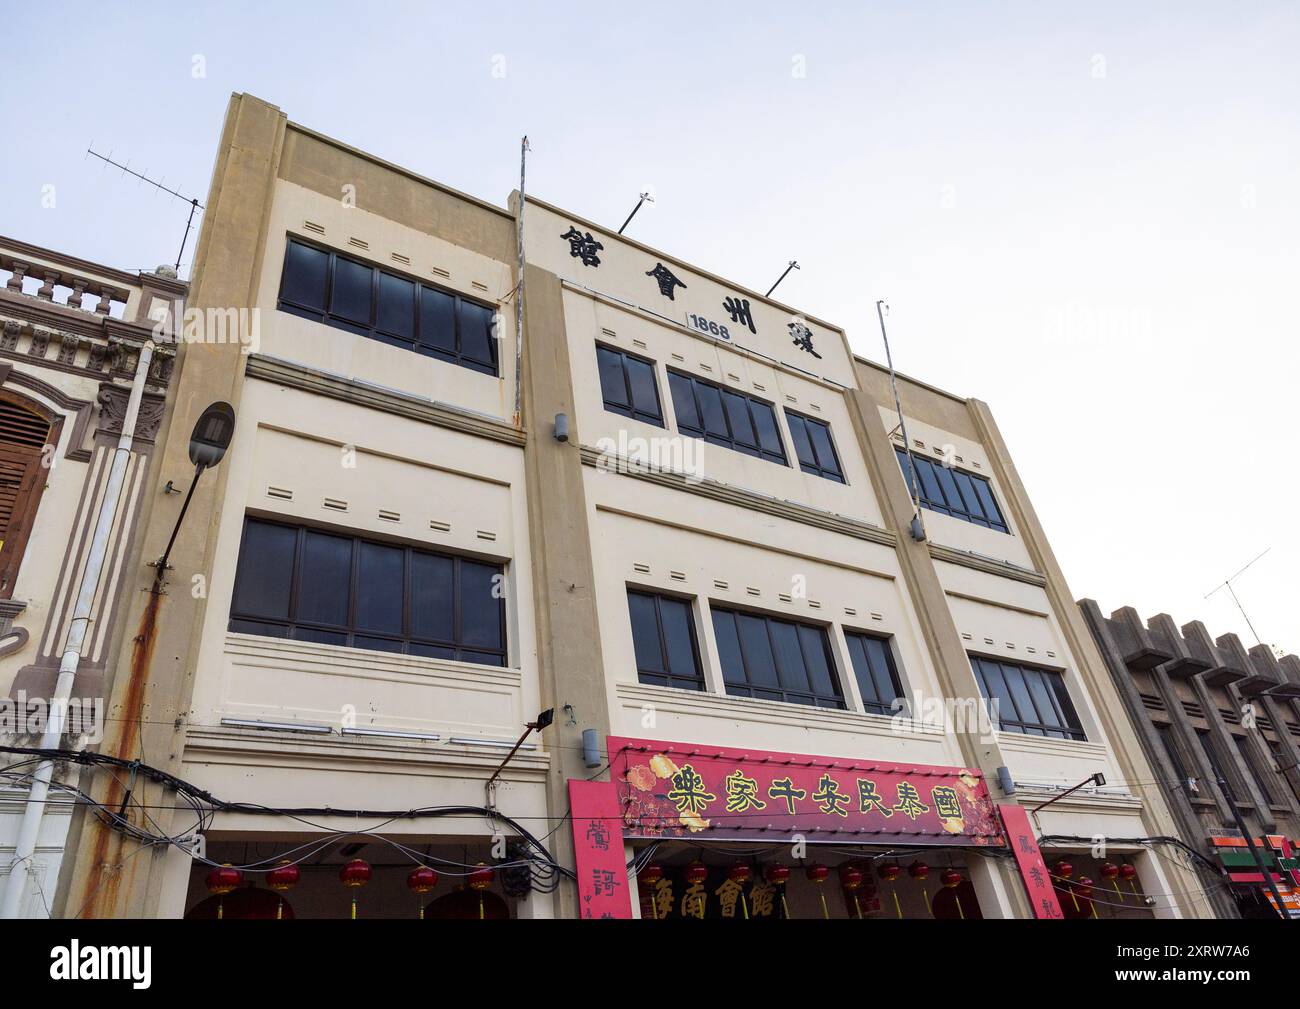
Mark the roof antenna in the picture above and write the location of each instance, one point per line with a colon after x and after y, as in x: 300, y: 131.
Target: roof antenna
x: 793, y: 266
x: 917, y: 527
x: 194, y: 204
x: 646, y: 197
x: 1228, y: 585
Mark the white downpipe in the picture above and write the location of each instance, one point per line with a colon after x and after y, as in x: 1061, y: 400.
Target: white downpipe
x: 30, y: 827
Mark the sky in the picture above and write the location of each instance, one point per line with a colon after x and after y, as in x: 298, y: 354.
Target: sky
x: 1087, y: 216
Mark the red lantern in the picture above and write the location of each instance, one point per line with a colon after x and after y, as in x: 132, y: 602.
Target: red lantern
x: 1064, y: 869
x: 354, y: 875
x: 1108, y: 870
x: 742, y: 874
x: 1128, y: 872
x: 696, y: 872
x: 221, y: 881
x: 950, y: 878
x: 851, y: 880
x: 778, y: 875
x: 889, y: 873
x: 648, y: 878
x: 919, y: 871
x: 1085, y: 891
x: 480, y: 879
x: 281, y: 878
x: 421, y: 880
x: 818, y: 874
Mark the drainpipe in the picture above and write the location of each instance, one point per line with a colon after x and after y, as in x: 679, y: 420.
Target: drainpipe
x: 30, y: 827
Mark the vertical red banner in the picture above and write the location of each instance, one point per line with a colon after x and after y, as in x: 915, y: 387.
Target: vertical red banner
x: 1033, y: 870
x: 598, y: 850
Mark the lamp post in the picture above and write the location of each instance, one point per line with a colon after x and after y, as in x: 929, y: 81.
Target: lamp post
x: 208, y: 443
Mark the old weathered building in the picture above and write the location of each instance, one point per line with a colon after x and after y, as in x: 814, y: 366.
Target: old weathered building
x: 669, y: 510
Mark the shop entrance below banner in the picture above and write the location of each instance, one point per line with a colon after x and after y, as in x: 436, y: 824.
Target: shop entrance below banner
x: 684, y: 880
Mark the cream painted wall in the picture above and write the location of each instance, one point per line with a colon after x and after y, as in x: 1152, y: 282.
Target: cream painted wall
x: 622, y: 275
x: 296, y: 442
x: 644, y: 537
x: 970, y: 456
x: 341, y: 353
x: 590, y: 320
x: 56, y: 520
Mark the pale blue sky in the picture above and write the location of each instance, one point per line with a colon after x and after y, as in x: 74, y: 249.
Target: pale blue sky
x: 1086, y: 215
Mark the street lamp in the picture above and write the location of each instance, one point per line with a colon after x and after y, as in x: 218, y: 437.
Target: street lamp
x: 208, y: 443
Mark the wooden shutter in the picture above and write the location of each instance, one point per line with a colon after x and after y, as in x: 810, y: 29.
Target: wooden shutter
x: 23, y: 436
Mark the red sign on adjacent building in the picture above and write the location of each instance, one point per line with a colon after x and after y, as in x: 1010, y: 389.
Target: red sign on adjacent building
x: 684, y: 790
x: 598, y: 850
x: 1033, y: 870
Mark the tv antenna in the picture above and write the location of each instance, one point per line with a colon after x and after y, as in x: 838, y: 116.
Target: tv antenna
x: 1228, y: 585
x: 194, y: 204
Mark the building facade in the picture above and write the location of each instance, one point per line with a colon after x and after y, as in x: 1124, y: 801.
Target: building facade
x: 71, y: 343
x: 665, y: 523
x: 1220, y: 726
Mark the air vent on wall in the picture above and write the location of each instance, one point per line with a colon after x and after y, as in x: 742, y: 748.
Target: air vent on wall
x: 785, y: 597
x: 486, y: 534
x: 478, y: 287
x: 358, y: 243
x: 282, y: 493
x: 438, y: 271
x: 849, y: 611
x: 677, y: 576
x: 399, y: 258
x: 437, y: 525
x: 609, y: 332
x: 752, y: 591
x: 813, y: 604
x: 641, y: 569
x: 335, y: 504
x: 390, y: 516
x: 312, y: 226
x: 720, y: 585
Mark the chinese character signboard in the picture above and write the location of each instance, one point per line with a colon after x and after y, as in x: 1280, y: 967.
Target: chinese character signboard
x: 1033, y: 870
x: 685, y: 790
x: 598, y: 850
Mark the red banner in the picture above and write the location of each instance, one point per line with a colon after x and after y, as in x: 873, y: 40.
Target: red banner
x: 1033, y: 870
x: 681, y: 790
x: 598, y: 850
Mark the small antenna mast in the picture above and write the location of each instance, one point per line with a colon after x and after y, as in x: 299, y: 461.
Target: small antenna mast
x: 918, y: 524
x: 194, y: 204
x: 1227, y: 584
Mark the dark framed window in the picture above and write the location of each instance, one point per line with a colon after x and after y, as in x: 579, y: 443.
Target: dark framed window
x: 663, y: 633
x: 628, y: 386
x: 328, y: 287
x: 1248, y: 758
x: 311, y: 585
x: 776, y: 659
x: 725, y: 417
x: 813, y: 446
x: 1167, y: 739
x: 1031, y: 700
x: 953, y: 491
x: 877, y: 675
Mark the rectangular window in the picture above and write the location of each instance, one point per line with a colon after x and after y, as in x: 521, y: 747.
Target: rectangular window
x: 953, y: 491
x: 348, y: 294
x: 628, y: 386
x: 813, y: 446
x: 776, y: 659
x: 1030, y: 700
x: 663, y: 635
x: 873, y: 665
x: 309, y: 585
x: 725, y: 417
x: 1248, y: 758
x: 1166, y: 733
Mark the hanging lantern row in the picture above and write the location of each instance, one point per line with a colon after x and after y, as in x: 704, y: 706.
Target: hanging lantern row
x: 852, y: 877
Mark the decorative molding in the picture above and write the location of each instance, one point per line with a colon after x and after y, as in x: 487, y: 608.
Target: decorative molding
x: 988, y: 565
x: 113, y: 399
x: 401, y: 404
x: 79, y: 408
x: 728, y: 494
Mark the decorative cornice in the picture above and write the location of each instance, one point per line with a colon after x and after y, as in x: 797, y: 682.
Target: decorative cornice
x: 728, y: 494
x: 347, y: 390
x: 988, y: 565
